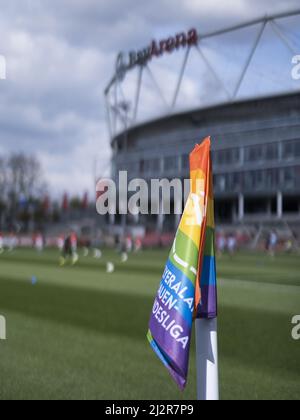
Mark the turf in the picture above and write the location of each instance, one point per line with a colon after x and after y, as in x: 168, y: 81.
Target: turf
x: 79, y: 333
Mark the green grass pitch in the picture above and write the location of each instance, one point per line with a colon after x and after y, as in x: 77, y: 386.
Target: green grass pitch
x: 80, y: 333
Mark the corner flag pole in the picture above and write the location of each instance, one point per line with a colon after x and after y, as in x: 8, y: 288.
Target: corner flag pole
x: 207, y: 360
x: 192, y: 267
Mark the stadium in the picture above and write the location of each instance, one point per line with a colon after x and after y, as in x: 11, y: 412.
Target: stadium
x: 255, y: 133
x: 77, y: 289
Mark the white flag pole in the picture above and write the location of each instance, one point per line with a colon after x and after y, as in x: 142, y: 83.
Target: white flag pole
x: 207, y: 360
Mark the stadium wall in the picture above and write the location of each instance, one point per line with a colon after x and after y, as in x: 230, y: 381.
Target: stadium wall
x: 256, y: 156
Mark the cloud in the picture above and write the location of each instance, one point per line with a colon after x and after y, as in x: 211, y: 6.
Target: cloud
x: 79, y: 165
x: 51, y: 105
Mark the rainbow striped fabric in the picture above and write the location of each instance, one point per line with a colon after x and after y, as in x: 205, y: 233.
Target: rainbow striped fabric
x: 188, y: 288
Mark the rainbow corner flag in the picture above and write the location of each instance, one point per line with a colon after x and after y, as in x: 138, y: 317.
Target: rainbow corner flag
x: 188, y: 289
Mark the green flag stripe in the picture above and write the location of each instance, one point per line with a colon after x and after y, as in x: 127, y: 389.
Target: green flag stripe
x: 209, y: 248
x: 187, y: 251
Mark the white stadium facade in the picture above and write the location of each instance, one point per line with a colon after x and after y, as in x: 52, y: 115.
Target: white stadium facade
x: 246, y: 96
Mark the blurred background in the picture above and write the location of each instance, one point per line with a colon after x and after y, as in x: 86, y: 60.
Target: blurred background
x: 77, y: 288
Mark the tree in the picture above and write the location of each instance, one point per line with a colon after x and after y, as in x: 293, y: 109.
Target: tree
x: 3, y: 190
x: 25, y: 177
x: 25, y: 183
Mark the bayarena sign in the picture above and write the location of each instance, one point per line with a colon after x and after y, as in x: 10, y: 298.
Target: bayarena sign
x: 127, y: 62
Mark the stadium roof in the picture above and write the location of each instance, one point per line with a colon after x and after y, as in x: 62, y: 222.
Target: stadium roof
x: 213, y: 110
x: 245, y: 61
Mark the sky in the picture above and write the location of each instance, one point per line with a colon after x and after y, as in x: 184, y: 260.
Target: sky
x: 60, y: 56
